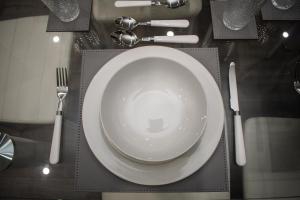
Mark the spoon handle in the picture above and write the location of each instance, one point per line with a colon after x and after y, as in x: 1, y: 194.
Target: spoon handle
x: 180, y: 23
x: 121, y: 4
x: 189, y: 39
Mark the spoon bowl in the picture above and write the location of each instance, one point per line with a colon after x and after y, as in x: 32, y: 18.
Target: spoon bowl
x: 125, y: 38
x: 127, y: 23
x: 174, y: 3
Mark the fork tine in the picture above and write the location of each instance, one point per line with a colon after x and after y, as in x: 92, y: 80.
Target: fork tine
x: 66, y: 76
x: 57, y: 77
x: 62, y: 77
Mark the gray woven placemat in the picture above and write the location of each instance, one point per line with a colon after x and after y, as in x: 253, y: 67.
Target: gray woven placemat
x: 82, y: 23
x: 221, y: 32
x: 269, y: 12
x: 91, y: 176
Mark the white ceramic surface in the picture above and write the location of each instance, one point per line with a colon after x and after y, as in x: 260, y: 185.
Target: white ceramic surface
x: 153, y: 110
x: 173, y: 170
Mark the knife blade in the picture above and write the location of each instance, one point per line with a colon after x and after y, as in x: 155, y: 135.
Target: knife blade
x: 234, y: 102
x: 240, y: 154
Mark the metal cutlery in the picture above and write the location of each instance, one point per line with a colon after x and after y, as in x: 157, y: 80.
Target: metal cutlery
x: 240, y: 154
x: 129, y: 39
x: 61, y: 90
x: 297, y: 78
x: 129, y: 23
x: 7, y: 151
x: 167, y: 3
x: 297, y: 86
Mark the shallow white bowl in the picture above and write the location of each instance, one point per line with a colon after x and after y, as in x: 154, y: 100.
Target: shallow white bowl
x: 153, y: 109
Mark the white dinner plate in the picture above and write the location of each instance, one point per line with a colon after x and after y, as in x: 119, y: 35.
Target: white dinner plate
x: 175, y: 169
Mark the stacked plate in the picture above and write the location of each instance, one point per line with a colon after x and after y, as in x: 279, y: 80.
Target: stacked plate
x: 153, y: 115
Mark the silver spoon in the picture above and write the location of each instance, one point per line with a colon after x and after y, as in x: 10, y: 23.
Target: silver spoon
x: 167, y: 3
x: 297, y: 78
x: 129, y: 23
x: 129, y: 39
x: 297, y: 86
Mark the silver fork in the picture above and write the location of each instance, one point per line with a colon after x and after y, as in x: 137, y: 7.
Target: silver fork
x: 61, y: 90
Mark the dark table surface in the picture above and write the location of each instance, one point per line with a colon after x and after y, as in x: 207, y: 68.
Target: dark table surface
x: 265, y: 74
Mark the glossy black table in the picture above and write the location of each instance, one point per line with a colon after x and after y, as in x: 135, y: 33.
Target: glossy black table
x: 265, y: 74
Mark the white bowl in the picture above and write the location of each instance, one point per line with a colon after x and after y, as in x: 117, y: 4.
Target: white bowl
x: 153, y: 109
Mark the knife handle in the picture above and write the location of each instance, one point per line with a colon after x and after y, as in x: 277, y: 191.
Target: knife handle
x: 240, y: 154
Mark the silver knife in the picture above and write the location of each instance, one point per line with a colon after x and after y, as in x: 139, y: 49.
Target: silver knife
x: 240, y: 154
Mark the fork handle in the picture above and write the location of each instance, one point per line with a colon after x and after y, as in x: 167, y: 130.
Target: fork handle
x: 55, y: 146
